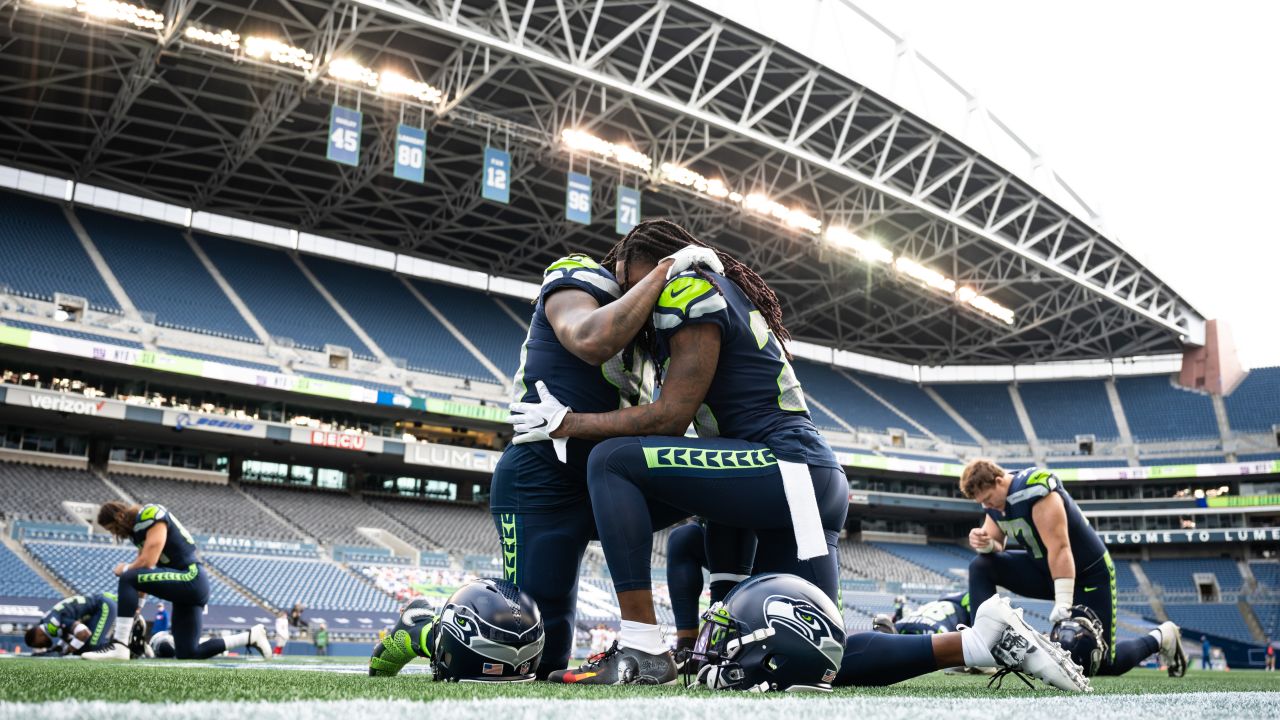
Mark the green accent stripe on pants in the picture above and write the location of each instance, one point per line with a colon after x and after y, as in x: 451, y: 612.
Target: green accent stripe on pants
x: 192, y: 572
x: 509, y: 559
x: 1115, y: 606
x: 102, y: 624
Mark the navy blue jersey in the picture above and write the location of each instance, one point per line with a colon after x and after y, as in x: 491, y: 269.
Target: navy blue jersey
x: 179, y: 547
x: 942, y: 615
x: 68, y: 611
x: 1027, y: 488
x: 754, y: 395
x: 623, y: 381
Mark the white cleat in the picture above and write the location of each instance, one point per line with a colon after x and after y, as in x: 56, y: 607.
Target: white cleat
x: 115, y: 651
x: 1021, y: 648
x: 259, y: 641
x: 1171, y: 654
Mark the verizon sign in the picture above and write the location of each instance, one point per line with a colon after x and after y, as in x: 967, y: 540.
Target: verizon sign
x: 344, y: 441
x: 64, y: 403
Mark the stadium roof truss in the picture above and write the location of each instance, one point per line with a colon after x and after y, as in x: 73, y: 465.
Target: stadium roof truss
x: 155, y: 114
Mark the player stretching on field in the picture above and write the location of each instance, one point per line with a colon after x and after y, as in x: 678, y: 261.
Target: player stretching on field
x: 76, y: 625
x: 1062, y: 558
x: 577, y: 346
x: 167, y: 567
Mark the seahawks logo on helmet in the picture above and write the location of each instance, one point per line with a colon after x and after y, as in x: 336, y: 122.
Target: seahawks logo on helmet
x: 807, y: 621
x: 489, y: 640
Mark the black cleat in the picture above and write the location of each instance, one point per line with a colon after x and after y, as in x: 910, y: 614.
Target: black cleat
x: 620, y: 666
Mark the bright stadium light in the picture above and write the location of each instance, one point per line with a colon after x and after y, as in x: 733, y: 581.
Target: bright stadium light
x: 869, y: 250
x: 791, y: 216
x: 585, y: 141
x: 928, y: 276
x: 352, y: 71
x: 393, y: 83
x: 111, y: 11
x: 223, y: 38
x: 970, y: 297
x: 264, y: 48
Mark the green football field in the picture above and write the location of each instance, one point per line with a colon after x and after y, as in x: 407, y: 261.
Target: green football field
x: 298, y: 689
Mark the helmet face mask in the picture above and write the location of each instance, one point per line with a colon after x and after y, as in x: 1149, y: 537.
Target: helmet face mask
x: 1083, y: 637
x: 773, y: 632
x: 489, y: 631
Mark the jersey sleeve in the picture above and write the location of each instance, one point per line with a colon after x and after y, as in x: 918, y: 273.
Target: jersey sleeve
x: 1037, y: 484
x: 150, y: 515
x: 690, y: 299
x: 580, y: 272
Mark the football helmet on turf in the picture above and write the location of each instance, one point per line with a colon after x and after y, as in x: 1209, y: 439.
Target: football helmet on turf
x: 1081, y: 635
x: 488, y: 631
x: 774, y: 632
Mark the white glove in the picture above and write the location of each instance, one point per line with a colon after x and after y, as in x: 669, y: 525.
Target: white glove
x: 1064, y: 590
x: 691, y: 255
x: 534, y: 422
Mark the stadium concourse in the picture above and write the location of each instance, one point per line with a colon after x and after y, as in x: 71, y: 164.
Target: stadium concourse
x: 272, y: 268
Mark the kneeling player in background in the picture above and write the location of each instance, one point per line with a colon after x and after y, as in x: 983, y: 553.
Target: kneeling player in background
x: 76, y: 625
x: 167, y: 567
x: 487, y: 631
x: 1062, y: 559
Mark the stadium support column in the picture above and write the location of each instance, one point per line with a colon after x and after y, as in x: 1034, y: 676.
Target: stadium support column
x: 1215, y: 367
x: 466, y: 491
x: 99, y: 452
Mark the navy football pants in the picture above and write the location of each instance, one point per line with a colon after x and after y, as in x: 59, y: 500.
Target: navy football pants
x: 188, y: 590
x: 1020, y: 573
x: 728, y: 482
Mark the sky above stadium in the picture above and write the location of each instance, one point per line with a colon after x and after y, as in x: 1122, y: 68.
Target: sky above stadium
x: 1161, y: 115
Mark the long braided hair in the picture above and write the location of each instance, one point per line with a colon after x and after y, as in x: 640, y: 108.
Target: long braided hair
x: 652, y: 240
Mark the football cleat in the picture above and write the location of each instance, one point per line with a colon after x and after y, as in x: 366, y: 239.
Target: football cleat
x: 1171, y: 653
x: 115, y: 651
x: 1021, y: 649
x: 883, y: 623
x: 620, y: 666
x: 259, y: 641
x: 137, y: 642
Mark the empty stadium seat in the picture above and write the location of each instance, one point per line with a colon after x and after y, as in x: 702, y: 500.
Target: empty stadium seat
x: 1176, y: 575
x: 53, y: 260
x: 948, y: 562
x: 32, y: 492
x: 1221, y: 619
x: 912, y: 400
x: 1157, y: 411
x: 1254, y: 406
x: 207, y: 508
x: 847, y: 400
x: 1060, y: 410
x: 330, y: 517
x: 474, y: 313
x: 987, y: 407
x: 1181, y: 460
x: 279, y: 295
x: 316, y: 584
x: 86, y: 568
x: 161, y: 274
x: 73, y: 330
x: 19, y: 581
x: 455, y: 526
x: 396, y: 321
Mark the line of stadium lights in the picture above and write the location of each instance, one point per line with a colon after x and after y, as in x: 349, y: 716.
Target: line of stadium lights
x: 868, y: 250
x: 390, y: 82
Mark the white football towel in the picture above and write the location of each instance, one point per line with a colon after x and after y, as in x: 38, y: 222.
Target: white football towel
x: 811, y: 542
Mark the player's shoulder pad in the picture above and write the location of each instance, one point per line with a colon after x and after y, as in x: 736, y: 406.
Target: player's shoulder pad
x: 1032, y: 484
x: 687, y: 296
x: 579, y: 269
x: 149, y: 515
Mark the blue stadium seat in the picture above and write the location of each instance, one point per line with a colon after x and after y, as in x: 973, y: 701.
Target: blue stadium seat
x: 74, y: 330
x: 847, y: 400
x: 1255, y: 457
x: 945, y: 560
x: 1085, y: 461
x: 316, y: 584
x: 1181, y: 460
x: 18, y: 580
x: 53, y: 260
x: 912, y: 400
x: 1157, y: 411
x: 1060, y: 410
x: 279, y: 295
x: 987, y: 407
x: 396, y: 321
x: 490, y: 329
x: 1175, y: 575
x: 162, y: 275
x: 1254, y: 406
x: 87, y: 569
x: 1222, y: 619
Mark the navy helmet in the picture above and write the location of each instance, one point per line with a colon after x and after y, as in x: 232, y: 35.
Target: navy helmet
x: 1081, y: 635
x: 773, y: 632
x: 489, y: 631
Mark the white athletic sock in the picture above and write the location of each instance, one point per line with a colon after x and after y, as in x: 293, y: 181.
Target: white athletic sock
x: 641, y: 636
x: 236, y: 640
x: 124, y: 626
x: 976, y: 648
x: 1158, y: 636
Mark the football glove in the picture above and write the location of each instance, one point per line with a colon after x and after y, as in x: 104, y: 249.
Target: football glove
x: 534, y: 422
x: 690, y: 255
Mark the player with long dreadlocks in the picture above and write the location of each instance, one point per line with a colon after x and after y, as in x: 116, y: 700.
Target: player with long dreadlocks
x: 719, y: 336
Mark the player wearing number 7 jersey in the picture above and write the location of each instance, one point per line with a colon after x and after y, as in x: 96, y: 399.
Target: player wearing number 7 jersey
x: 1061, y: 558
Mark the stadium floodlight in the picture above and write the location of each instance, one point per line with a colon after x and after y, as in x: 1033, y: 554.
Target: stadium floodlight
x: 624, y: 154
x: 868, y: 250
x: 111, y: 11
x: 970, y: 297
x: 352, y: 71
x: 928, y: 276
x: 393, y: 83
x: 258, y: 47
x: 791, y: 216
x: 224, y: 38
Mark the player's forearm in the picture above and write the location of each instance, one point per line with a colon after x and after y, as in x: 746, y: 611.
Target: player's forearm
x: 657, y: 418
x: 1062, y: 564
x: 605, y: 331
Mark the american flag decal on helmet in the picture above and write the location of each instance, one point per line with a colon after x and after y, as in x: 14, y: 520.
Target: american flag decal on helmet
x: 491, y: 668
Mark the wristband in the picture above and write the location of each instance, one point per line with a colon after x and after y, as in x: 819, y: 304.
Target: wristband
x: 988, y: 548
x: 1064, y: 591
